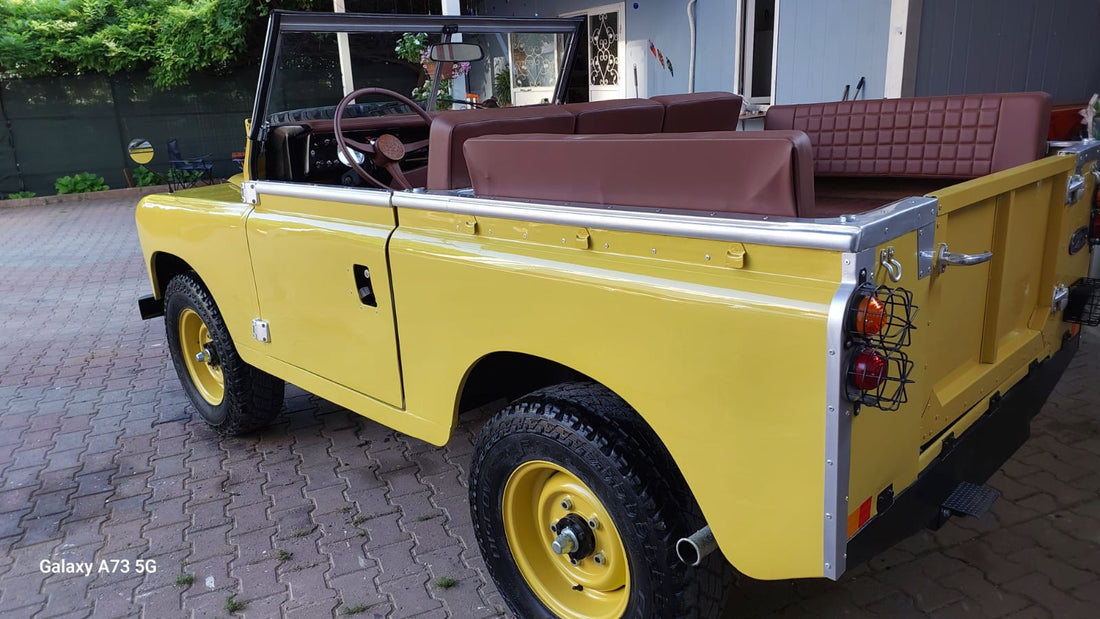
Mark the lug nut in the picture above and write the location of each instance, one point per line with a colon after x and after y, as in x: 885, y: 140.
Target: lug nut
x: 574, y: 562
x: 554, y: 528
x: 599, y: 559
x: 202, y: 357
x: 566, y: 503
x: 593, y: 523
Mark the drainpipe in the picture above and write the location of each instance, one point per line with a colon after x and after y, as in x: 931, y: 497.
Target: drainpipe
x: 691, y: 56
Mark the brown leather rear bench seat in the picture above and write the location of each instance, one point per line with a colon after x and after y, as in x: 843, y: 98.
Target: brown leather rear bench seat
x: 761, y: 173
x: 869, y: 153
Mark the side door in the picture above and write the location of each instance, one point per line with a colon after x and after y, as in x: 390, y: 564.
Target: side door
x: 322, y: 281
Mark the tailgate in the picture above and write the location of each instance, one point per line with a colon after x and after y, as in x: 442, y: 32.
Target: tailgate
x: 978, y: 327
x: 985, y: 322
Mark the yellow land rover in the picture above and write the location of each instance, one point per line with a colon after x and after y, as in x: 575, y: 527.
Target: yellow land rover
x: 796, y: 346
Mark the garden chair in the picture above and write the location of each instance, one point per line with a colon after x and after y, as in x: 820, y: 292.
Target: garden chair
x: 187, y: 172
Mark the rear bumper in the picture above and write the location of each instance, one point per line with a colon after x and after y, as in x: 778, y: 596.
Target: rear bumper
x: 974, y: 457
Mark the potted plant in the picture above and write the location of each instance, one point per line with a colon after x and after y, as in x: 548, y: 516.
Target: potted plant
x: 414, y: 48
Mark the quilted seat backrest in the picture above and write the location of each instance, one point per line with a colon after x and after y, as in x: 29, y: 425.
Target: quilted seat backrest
x: 957, y: 137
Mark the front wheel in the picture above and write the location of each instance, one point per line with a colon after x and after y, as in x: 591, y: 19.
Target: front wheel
x: 577, y: 507
x: 231, y: 396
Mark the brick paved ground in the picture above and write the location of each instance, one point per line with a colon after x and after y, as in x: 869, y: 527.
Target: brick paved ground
x: 326, y: 511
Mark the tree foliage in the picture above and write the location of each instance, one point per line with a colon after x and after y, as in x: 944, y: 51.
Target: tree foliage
x: 169, y: 38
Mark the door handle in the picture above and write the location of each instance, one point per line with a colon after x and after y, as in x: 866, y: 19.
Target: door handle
x: 946, y: 258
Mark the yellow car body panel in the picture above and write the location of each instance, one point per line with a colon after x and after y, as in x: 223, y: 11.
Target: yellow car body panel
x: 678, y: 339
x: 706, y: 339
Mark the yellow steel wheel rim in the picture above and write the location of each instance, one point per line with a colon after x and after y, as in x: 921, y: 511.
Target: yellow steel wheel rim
x: 532, y: 501
x: 194, y: 339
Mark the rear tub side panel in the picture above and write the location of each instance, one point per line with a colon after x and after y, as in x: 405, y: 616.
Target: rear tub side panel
x: 727, y: 365
x: 205, y: 228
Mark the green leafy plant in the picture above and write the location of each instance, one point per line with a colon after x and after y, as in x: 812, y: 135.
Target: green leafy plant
x: 144, y: 177
x: 284, y: 555
x: 184, y: 579
x: 411, y: 46
x: 16, y: 195
x: 445, y: 582
x: 502, y: 87
x: 232, y: 604
x: 183, y: 177
x: 83, y: 182
x: 353, y: 610
x: 169, y: 38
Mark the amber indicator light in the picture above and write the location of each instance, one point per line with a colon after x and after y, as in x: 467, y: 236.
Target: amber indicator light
x: 869, y: 316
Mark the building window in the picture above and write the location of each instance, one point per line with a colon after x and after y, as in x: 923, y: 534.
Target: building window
x: 757, y: 63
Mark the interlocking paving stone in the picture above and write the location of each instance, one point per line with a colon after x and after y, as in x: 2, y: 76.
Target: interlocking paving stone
x: 101, y: 458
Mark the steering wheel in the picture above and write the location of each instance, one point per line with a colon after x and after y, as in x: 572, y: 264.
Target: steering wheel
x: 387, y: 150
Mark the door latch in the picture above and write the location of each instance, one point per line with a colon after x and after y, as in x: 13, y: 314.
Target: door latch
x: 363, y: 285
x: 945, y: 258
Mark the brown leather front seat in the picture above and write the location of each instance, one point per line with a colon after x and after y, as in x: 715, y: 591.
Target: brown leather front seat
x: 700, y: 111
x: 618, y: 116
x: 450, y: 130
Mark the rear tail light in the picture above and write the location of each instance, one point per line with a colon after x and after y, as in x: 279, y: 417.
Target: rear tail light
x: 868, y: 370
x: 879, y: 324
x: 1094, y: 228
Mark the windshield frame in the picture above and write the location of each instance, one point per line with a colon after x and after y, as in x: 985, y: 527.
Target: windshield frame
x: 446, y: 25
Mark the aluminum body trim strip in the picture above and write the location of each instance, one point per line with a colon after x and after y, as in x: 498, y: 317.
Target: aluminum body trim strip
x: 845, y: 233
x: 1085, y: 151
x: 838, y: 416
x: 848, y: 233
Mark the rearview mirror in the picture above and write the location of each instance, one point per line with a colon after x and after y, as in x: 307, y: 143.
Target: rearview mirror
x: 456, y: 52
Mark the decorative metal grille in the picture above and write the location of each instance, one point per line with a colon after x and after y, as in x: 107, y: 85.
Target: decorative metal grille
x: 534, y: 59
x: 603, y: 49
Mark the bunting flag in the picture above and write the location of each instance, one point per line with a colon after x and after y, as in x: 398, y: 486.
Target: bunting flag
x: 664, y: 61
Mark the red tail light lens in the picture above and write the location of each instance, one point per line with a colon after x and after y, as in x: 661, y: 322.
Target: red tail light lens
x: 869, y: 316
x: 868, y: 370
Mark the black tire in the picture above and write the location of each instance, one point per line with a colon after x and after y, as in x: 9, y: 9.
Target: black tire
x: 251, y: 398
x: 593, y: 434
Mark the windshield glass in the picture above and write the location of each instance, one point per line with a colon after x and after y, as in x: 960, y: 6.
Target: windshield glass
x: 313, y: 69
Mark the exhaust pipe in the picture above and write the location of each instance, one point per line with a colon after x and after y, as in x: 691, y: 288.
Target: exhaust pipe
x: 693, y: 549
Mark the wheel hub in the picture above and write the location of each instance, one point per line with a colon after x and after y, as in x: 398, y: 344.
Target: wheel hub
x: 574, y: 538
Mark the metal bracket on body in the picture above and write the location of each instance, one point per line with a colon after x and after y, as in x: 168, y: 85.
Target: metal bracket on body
x: 260, y: 331
x: 1059, y: 299
x: 890, y: 263
x: 248, y: 193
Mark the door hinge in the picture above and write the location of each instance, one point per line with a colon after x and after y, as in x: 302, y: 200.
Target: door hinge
x: 260, y: 331
x: 1075, y: 189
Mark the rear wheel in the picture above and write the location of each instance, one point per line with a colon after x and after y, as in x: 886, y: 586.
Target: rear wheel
x: 230, y: 395
x: 577, y: 508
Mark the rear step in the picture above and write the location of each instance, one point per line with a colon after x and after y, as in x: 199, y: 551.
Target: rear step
x: 969, y: 500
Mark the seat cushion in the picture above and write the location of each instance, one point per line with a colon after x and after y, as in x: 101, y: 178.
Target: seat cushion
x: 617, y: 116
x: 450, y: 130
x: 700, y: 111
x: 957, y: 137
x: 763, y: 173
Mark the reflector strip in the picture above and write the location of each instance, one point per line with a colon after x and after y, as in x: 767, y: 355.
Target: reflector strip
x: 858, y: 518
